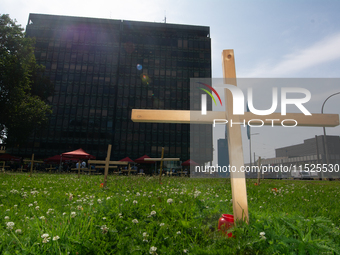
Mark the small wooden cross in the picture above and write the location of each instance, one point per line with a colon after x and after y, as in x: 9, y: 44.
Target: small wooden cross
x: 161, y: 160
x: 238, y: 183
x: 107, y: 163
x: 32, y: 162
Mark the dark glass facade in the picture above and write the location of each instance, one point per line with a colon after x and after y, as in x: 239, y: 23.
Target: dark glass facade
x: 104, y: 68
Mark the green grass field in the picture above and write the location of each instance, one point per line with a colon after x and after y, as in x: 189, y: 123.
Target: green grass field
x: 60, y: 214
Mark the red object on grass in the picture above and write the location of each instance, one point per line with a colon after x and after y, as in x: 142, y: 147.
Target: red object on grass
x: 225, y: 223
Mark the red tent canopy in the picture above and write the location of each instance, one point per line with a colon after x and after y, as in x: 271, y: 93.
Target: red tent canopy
x: 57, y: 158
x: 8, y: 157
x: 127, y: 159
x: 189, y: 162
x: 142, y: 161
x: 80, y: 153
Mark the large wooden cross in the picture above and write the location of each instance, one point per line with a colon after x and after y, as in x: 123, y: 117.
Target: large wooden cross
x: 161, y: 160
x: 238, y: 183
x: 107, y: 163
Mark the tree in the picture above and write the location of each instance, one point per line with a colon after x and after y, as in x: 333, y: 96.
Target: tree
x: 23, y: 88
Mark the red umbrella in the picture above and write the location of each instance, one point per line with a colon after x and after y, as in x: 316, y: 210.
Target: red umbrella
x: 58, y: 158
x: 127, y: 159
x: 189, y: 162
x: 8, y: 157
x: 141, y: 160
x: 80, y: 154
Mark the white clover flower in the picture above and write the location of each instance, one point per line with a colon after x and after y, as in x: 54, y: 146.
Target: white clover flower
x: 126, y: 200
x: 178, y: 233
x: 180, y: 202
x: 135, y: 221
x: 135, y: 201
x: 73, y: 214
x: 55, y: 238
x: 6, y: 218
x: 15, y: 205
x: 99, y: 201
x: 18, y: 231
x: 145, y: 234
x: 10, y: 225
x: 153, y: 206
x: 170, y: 201
x: 64, y: 213
x: 153, y: 250
x: 153, y: 213
x: 104, y: 218
x: 137, y: 194
x: 185, y: 251
x: 35, y: 202
x: 162, y: 224
x: 262, y: 235
x: 42, y: 217
x: 108, y: 198
x: 37, y: 208
x: 8, y: 210
x: 45, y: 235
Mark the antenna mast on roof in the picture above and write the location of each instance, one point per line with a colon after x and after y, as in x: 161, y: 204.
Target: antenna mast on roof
x: 164, y: 16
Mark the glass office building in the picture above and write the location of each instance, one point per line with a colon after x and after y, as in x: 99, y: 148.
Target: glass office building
x: 102, y: 69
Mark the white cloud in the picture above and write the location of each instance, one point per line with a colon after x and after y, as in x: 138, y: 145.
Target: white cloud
x: 324, y: 51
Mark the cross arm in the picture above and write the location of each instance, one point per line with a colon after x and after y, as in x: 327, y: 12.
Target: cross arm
x: 161, y: 159
x: 195, y: 117
x: 110, y: 162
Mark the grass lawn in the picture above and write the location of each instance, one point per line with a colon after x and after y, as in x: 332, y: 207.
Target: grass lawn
x: 61, y: 214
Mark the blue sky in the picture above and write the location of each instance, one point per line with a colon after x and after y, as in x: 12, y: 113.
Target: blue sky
x: 295, y: 39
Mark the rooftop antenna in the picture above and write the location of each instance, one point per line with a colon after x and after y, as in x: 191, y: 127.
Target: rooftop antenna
x: 164, y: 17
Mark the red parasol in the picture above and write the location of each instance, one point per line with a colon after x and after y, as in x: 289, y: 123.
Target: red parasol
x: 58, y: 158
x: 8, y: 157
x: 142, y: 161
x: 80, y: 154
x: 189, y: 162
x: 127, y: 159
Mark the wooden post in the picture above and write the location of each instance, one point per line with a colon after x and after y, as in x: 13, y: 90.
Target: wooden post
x: 238, y: 181
x: 258, y: 170
x: 107, y: 162
x: 161, y: 167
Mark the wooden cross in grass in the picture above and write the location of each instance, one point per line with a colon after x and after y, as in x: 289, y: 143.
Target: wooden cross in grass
x: 107, y: 163
x: 32, y: 162
x: 161, y: 160
x: 238, y: 183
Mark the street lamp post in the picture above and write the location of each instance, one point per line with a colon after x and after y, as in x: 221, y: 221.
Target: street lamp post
x: 324, y: 133
x: 250, y: 148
